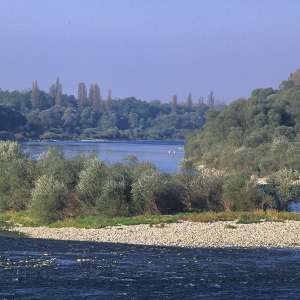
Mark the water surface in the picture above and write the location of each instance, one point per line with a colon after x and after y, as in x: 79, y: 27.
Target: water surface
x: 50, y: 269
x: 164, y: 154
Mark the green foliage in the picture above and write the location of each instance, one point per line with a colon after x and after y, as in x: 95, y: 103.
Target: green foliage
x: 245, y: 136
x: 112, y: 202
x: 49, y: 200
x: 284, y: 189
x: 10, y: 118
x: 240, y: 194
x: 16, y: 177
x: 155, y: 193
x: 57, y: 116
x: 203, y: 190
x: 65, y: 170
x: 91, y: 178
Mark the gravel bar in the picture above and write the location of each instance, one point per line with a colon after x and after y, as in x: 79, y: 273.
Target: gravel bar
x: 184, y: 234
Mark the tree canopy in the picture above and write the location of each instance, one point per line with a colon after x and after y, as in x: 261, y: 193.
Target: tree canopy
x: 35, y: 114
x: 260, y: 134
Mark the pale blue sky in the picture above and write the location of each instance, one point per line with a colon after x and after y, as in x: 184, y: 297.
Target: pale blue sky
x: 150, y: 49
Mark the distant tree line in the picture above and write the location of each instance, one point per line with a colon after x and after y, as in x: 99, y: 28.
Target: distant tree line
x: 35, y: 114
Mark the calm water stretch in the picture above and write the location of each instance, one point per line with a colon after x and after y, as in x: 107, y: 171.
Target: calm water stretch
x: 50, y: 269
x: 164, y: 154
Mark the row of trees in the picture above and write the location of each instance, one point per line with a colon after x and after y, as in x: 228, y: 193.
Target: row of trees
x: 55, y: 115
x: 53, y: 187
x: 260, y: 135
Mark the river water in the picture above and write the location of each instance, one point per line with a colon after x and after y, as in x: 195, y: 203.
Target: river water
x: 51, y: 269
x: 164, y: 154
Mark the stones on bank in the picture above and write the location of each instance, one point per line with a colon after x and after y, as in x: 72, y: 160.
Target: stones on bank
x: 183, y: 234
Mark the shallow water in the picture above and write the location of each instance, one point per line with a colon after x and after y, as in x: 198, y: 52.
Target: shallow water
x: 50, y: 269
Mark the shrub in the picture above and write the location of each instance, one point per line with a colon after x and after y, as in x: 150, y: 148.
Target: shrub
x: 284, y: 189
x: 63, y: 169
x: 155, y: 193
x: 112, y: 202
x: 16, y: 177
x: 240, y: 194
x: 91, y: 180
x: 10, y: 151
x: 205, y: 190
x: 49, y: 200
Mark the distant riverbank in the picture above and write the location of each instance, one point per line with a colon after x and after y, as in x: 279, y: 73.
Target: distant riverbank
x: 184, y: 234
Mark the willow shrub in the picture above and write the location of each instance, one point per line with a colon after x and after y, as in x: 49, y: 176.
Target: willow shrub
x: 154, y: 194
x: 49, y: 200
x: 91, y: 178
x: 112, y: 202
x: 63, y: 169
x: 240, y: 194
x: 203, y: 190
x: 284, y: 189
x: 17, y: 174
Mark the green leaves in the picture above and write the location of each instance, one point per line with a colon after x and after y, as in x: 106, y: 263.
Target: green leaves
x: 284, y: 189
x: 49, y: 200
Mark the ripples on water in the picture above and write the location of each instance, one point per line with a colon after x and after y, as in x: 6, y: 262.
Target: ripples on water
x: 49, y: 269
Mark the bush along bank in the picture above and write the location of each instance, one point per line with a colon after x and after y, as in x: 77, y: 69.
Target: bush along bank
x: 54, y: 188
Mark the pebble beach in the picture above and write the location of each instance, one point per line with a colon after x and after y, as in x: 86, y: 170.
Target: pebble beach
x: 183, y: 234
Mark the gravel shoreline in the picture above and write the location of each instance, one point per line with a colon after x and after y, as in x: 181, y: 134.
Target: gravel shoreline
x: 183, y: 234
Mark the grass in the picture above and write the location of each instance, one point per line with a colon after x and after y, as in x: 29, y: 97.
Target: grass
x: 268, y: 215
x: 102, y: 221
x: 248, y: 221
x: 24, y: 218
x: 230, y: 226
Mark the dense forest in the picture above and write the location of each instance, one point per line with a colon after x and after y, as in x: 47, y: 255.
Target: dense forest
x: 260, y: 135
x: 35, y: 114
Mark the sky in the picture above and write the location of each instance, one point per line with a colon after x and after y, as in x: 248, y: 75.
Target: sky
x: 150, y: 49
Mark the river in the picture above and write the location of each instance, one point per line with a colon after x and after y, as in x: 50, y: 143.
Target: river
x: 164, y: 154
x: 52, y: 269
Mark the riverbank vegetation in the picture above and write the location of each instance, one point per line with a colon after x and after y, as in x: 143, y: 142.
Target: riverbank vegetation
x: 35, y: 114
x: 25, y: 219
x: 53, y: 188
x: 260, y: 135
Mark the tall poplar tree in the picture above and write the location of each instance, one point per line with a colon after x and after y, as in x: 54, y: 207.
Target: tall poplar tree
x: 97, y: 103
x: 82, y: 98
x: 58, y: 89
x: 201, y: 101
x: 108, y: 101
x: 91, y: 95
x: 211, y: 100
x: 174, y: 103
x: 35, y: 95
x: 189, y: 100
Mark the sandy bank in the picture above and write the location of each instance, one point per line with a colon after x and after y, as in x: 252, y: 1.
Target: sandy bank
x: 184, y: 234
